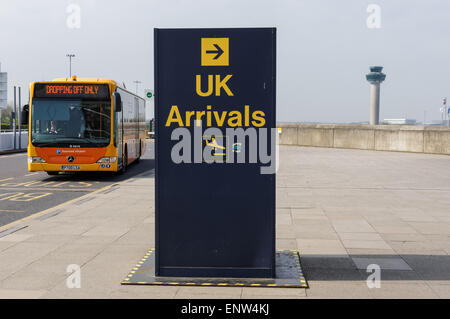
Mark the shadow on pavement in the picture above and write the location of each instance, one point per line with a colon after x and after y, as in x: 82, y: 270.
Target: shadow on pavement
x: 393, y: 267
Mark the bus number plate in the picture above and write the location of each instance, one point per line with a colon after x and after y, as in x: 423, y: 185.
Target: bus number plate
x: 71, y: 168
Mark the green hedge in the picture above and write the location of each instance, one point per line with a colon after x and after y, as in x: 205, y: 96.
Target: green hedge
x: 7, y: 126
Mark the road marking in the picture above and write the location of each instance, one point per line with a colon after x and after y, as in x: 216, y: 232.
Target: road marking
x: 47, y: 189
x: 38, y: 214
x: 14, y: 155
x: 31, y: 174
x: 23, y: 197
x: 44, y: 184
x: 2, y: 228
x: 29, y: 197
x: 6, y: 179
x: 11, y: 211
x: 60, y: 184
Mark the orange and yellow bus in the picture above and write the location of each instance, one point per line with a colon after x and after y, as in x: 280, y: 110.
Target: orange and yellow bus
x: 83, y: 125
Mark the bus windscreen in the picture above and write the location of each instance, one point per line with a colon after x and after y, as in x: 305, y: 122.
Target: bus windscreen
x: 68, y: 122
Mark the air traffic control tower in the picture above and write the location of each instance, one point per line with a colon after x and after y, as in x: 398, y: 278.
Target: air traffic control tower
x: 375, y: 77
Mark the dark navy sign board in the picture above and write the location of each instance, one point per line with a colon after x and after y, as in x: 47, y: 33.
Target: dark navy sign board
x: 213, y: 220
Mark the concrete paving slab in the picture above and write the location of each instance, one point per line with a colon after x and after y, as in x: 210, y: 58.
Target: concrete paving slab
x: 431, y: 228
x: 338, y: 290
x: 339, y: 225
x: 443, y: 291
x: 393, y: 229
x: 5, y: 245
x: 352, y: 226
x: 315, y: 228
x: 417, y: 247
x: 315, y: 235
x: 371, y: 252
x: 15, y: 238
x: 209, y: 292
x: 258, y: 293
x: 284, y: 219
x: 21, y: 294
x: 404, y: 291
x: 26, y: 279
x: 366, y: 244
x: 44, y: 238
x: 66, y: 229
x: 21, y: 255
x: 285, y: 231
x: 104, y: 230
x: 360, y: 236
x: 412, y: 237
x: 310, y: 211
x: 320, y: 247
x: 91, y: 239
x: 286, y: 244
x: 323, y: 221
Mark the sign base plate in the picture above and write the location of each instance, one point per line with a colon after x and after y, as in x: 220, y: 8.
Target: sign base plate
x: 288, y: 275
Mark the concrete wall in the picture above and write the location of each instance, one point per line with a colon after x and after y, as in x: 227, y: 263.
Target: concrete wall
x: 7, y: 141
x: 400, y: 138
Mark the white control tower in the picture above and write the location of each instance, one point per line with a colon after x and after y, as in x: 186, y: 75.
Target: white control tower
x: 375, y: 78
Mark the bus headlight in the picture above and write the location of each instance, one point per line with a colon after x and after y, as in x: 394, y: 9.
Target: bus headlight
x: 107, y: 160
x: 35, y: 160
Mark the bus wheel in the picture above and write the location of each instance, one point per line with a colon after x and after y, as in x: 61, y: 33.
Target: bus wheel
x: 52, y: 173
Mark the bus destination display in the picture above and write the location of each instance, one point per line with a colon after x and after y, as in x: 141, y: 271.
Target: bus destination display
x: 88, y: 91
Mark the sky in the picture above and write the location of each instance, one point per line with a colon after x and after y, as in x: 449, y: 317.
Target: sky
x: 324, y: 48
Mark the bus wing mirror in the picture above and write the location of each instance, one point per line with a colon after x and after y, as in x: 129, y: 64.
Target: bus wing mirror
x: 25, y: 114
x: 117, y: 102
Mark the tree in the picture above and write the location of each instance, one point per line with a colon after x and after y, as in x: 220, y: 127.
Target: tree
x: 6, y: 115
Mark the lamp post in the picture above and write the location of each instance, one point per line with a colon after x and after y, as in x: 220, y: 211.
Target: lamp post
x: 70, y: 56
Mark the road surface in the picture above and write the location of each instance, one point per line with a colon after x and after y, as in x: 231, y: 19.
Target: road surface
x: 23, y: 193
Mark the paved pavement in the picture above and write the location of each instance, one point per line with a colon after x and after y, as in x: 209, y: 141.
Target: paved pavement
x: 342, y: 209
x: 23, y: 193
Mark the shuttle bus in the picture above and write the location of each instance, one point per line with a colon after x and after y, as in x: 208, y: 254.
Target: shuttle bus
x: 78, y: 125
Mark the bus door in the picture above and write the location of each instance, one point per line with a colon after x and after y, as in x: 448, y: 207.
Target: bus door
x: 118, y: 129
x: 136, y: 136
